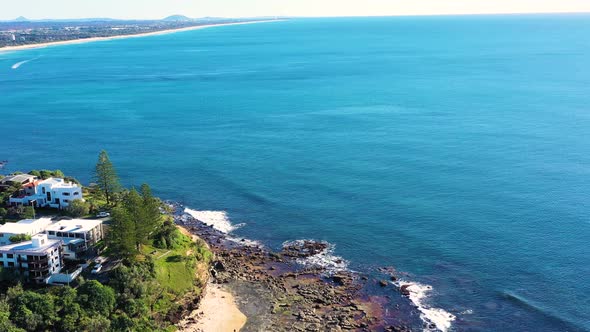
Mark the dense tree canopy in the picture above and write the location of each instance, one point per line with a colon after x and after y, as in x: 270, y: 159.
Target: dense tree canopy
x: 92, y: 307
x: 135, y: 221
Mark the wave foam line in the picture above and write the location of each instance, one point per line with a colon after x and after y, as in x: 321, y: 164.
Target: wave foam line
x: 439, y: 317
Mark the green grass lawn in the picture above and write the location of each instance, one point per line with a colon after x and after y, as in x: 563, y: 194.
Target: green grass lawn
x: 175, y: 270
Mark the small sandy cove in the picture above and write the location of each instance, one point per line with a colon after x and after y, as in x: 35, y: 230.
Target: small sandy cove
x: 217, y: 312
x: 89, y: 40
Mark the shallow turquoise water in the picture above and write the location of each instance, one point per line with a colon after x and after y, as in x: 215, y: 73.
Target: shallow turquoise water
x: 454, y: 148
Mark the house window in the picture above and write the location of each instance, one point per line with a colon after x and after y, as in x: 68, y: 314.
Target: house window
x: 51, y: 232
x: 65, y: 200
x: 79, y: 235
x: 66, y: 194
x: 9, y: 255
x: 10, y: 263
x: 1, y: 264
x: 1, y: 255
x: 43, y: 190
x: 76, y: 193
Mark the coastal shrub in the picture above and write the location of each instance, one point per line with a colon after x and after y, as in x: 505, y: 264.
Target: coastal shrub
x: 96, y: 298
x: 19, y: 238
x: 33, y: 311
x: 202, y: 253
x: 77, y: 208
x: 95, y: 323
x: 5, y: 323
x: 168, y: 237
x: 46, y: 174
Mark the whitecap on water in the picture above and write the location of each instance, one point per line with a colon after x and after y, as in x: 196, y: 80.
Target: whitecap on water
x: 418, y: 294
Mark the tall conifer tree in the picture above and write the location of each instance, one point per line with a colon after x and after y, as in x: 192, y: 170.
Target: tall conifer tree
x: 106, y: 176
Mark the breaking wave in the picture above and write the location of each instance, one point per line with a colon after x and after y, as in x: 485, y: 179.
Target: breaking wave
x: 216, y: 219
x: 325, y: 259
x: 436, y: 319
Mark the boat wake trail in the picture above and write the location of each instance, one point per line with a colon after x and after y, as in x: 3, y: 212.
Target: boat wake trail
x: 18, y: 64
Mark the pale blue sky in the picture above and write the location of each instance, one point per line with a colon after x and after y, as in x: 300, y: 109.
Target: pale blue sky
x: 149, y: 9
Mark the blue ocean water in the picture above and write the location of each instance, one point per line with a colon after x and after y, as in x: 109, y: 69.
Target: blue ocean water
x: 453, y: 148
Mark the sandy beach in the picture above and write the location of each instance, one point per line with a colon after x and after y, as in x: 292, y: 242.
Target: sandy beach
x: 97, y: 39
x: 217, y: 312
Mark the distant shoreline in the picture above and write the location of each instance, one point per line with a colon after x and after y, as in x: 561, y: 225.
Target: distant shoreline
x: 147, y: 34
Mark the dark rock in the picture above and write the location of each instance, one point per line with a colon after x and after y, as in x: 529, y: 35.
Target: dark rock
x: 404, y: 290
x: 382, y: 283
x: 218, y: 266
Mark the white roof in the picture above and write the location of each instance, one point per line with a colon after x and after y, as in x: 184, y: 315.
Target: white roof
x: 28, y: 246
x: 27, y: 226
x: 58, y: 183
x: 74, y: 225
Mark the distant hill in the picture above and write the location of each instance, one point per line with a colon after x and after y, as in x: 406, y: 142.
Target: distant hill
x: 21, y: 19
x: 178, y: 18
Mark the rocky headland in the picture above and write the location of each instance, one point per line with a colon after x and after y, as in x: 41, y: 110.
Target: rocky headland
x: 278, y: 293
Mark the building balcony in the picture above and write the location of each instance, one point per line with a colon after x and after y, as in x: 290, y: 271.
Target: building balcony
x: 39, y: 268
x: 43, y: 260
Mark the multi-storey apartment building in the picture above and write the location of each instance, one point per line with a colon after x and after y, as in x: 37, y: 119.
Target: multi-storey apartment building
x: 37, y: 259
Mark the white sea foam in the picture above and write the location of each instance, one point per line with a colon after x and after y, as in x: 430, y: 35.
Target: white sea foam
x: 418, y: 294
x: 325, y: 259
x: 217, y: 219
x: 245, y: 242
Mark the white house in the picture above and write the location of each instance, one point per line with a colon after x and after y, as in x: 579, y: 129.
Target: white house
x: 27, y: 227
x: 53, y: 192
x: 37, y: 259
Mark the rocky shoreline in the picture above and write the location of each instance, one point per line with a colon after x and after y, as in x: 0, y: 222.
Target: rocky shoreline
x: 277, y: 293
